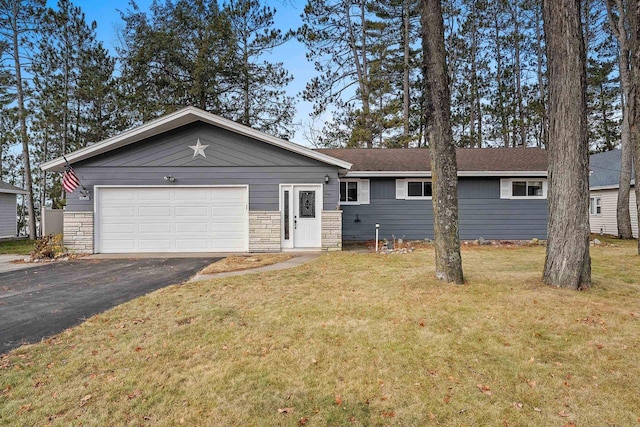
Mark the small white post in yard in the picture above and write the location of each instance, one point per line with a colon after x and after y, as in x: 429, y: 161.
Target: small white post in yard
x: 377, y: 231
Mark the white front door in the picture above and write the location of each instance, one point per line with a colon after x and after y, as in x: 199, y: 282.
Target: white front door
x: 301, y: 216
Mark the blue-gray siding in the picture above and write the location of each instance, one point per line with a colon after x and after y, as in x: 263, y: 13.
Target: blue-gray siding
x: 8, y: 223
x: 232, y: 159
x: 482, y: 214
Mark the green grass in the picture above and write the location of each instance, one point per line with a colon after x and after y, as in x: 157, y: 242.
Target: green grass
x: 350, y: 339
x: 18, y: 247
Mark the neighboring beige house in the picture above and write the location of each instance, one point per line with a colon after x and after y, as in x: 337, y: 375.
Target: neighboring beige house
x: 603, y: 189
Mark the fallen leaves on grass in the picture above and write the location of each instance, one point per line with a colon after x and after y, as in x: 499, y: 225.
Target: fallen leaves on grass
x: 285, y: 410
x: 485, y: 389
x: 238, y: 263
x: 85, y: 399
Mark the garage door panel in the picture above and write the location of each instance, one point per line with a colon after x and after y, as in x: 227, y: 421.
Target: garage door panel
x: 192, y: 244
x: 137, y: 219
x: 115, y: 228
x: 154, y: 227
x: 121, y: 245
x: 154, y: 244
x: 154, y: 195
x: 153, y: 211
x: 117, y: 195
x: 117, y: 212
x: 190, y: 195
x: 182, y: 211
x: 192, y: 227
x: 230, y: 245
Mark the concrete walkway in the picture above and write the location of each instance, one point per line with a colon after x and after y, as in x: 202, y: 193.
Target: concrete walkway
x: 296, y: 261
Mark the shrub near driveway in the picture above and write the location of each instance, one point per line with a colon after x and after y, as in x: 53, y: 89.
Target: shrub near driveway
x: 350, y: 339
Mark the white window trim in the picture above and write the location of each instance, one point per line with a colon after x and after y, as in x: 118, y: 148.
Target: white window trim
x: 402, y: 189
x: 506, y: 189
x: 595, y: 202
x: 363, y: 191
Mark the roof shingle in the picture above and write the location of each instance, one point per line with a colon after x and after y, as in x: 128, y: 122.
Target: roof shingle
x: 418, y: 159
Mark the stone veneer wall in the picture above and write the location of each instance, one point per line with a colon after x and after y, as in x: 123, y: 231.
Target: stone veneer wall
x: 78, y: 231
x: 331, y: 230
x: 264, y: 231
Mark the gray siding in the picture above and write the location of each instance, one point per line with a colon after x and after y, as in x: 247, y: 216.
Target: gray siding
x: 482, y: 214
x: 231, y: 160
x: 8, y: 219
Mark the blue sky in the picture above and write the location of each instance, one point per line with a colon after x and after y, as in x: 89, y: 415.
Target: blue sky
x: 292, y: 54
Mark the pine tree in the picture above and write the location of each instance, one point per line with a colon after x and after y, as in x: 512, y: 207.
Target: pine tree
x: 74, y: 102
x: 183, y: 54
x: 260, y: 86
x: 18, y: 20
x: 619, y: 21
x: 602, y: 80
x: 335, y: 34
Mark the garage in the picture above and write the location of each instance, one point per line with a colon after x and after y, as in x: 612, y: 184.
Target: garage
x: 171, y: 219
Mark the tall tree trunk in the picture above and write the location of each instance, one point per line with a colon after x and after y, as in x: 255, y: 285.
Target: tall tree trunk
x: 518, y: 72
x: 504, y: 120
x: 443, y: 153
x: 617, y: 24
x: 634, y: 99
x: 22, y: 119
x: 542, y: 138
x: 567, y: 263
x: 406, y: 95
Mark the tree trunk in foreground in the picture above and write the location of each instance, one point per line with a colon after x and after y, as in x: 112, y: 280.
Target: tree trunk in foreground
x: 634, y: 130
x: 443, y: 153
x: 567, y: 263
x: 618, y: 18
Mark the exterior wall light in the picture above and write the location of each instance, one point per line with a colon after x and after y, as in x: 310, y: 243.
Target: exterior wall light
x: 169, y: 178
x: 326, y: 179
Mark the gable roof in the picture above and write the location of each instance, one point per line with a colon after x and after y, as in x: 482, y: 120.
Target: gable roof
x: 417, y: 161
x: 605, y: 169
x: 180, y: 118
x: 11, y: 189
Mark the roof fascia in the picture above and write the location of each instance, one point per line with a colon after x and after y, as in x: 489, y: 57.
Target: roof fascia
x: 12, y: 191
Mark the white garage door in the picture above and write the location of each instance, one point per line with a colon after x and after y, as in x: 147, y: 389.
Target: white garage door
x: 175, y: 219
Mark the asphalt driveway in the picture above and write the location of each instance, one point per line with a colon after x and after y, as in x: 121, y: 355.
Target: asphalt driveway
x: 42, y: 301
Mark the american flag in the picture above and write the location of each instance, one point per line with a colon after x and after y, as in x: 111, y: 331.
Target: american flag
x: 70, y: 180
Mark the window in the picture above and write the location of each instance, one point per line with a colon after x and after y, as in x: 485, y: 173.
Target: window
x: 349, y: 191
x: 523, y: 189
x: 595, y: 207
x: 307, y: 206
x: 354, y: 191
x: 414, y: 188
x: 419, y: 189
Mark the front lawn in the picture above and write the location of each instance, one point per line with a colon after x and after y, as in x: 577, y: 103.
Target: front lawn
x: 350, y: 339
x: 16, y: 247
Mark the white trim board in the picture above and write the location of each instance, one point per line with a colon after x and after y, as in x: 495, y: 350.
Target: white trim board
x: 177, y: 119
x: 427, y: 174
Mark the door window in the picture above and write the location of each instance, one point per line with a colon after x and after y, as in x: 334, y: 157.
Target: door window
x: 307, y: 204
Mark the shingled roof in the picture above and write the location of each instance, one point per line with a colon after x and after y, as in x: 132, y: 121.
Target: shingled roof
x: 418, y: 159
x: 8, y: 188
x: 605, y: 169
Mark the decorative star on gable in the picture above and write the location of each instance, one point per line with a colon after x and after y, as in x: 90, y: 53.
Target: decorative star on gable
x: 198, y: 149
